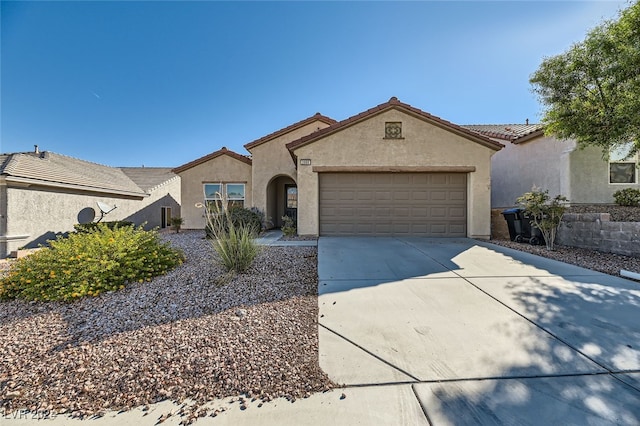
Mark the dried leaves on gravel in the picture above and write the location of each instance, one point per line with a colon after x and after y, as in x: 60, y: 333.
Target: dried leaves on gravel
x: 609, y: 263
x: 194, y: 334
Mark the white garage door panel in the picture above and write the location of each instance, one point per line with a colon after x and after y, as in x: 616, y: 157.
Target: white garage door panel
x: 422, y: 204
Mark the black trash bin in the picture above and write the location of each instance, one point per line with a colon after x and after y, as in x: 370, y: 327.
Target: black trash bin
x: 530, y: 232
x: 514, y: 222
x: 520, y: 227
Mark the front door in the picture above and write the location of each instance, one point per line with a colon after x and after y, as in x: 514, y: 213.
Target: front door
x: 291, y: 201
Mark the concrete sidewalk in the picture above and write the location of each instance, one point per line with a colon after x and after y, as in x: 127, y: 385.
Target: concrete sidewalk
x: 272, y: 238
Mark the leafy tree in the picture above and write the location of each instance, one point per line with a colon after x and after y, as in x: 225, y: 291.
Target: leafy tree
x: 591, y: 92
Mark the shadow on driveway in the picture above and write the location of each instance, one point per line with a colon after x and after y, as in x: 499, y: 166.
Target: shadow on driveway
x: 490, y: 335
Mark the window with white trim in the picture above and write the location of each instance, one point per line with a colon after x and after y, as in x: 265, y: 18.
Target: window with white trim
x: 214, y: 193
x: 213, y: 196
x: 235, y: 194
x: 623, y: 168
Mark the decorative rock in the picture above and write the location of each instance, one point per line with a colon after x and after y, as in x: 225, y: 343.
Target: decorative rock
x: 177, y: 337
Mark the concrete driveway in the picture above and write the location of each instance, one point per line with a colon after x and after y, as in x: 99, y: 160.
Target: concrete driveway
x: 443, y: 331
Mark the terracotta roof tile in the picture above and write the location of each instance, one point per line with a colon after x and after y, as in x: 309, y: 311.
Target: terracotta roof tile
x: 394, y: 103
x: 316, y: 117
x: 507, y: 132
x: 218, y: 153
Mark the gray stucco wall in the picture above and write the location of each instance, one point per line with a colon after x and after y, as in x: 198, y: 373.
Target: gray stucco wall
x: 543, y: 162
x: 39, y: 214
x: 590, y: 178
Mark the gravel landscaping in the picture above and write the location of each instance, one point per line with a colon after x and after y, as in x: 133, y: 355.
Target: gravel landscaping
x: 617, y: 213
x: 609, y: 263
x: 194, y: 334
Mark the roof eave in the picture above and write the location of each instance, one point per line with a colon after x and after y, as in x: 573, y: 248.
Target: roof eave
x: 209, y: 157
x: 533, y: 135
x: 26, y: 182
x: 295, y: 126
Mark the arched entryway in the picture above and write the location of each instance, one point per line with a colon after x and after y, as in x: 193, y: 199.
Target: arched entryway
x: 282, y: 199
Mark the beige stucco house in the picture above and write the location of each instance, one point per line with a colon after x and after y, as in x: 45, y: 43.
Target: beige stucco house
x: 530, y: 158
x: 390, y: 170
x: 43, y: 194
x: 210, y: 175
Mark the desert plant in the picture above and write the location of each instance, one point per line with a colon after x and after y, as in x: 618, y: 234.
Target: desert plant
x: 545, y: 212
x: 176, y: 223
x: 233, y: 241
x: 629, y: 197
x: 239, y: 217
x: 288, y: 226
x: 89, y: 263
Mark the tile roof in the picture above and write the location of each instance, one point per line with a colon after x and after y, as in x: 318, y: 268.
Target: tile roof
x: 148, y: 178
x: 218, y: 153
x: 316, y: 117
x: 507, y: 132
x: 394, y: 103
x: 53, y: 169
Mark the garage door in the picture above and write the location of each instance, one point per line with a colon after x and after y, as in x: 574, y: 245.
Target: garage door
x: 385, y: 204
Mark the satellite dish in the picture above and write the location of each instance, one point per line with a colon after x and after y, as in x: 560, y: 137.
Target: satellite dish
x: 86, y: 215
x: 105, y: 209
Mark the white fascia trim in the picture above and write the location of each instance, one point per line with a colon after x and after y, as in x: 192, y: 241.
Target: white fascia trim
x: 7, y: 238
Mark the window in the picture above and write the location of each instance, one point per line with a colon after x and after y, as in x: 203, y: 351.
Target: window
x: 292, y: 196
x: 622, y: 166
x: 214, y: 192
x: 235, y: 194
x: 213, y: 196
x: 393, y: 130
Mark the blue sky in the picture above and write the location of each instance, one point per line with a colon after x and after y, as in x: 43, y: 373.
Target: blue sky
x: 163, y: 83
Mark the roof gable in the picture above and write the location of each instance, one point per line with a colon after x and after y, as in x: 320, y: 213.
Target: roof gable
x: 148, y: 178
x: 209, y: 157
x: 394, y: 103
x: 316, y: 117
x: 48, y: 168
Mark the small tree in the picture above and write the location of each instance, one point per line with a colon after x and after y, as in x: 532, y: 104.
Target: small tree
x: 545, y: 212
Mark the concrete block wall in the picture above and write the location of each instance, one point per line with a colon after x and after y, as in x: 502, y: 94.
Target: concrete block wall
x: 596, y: 231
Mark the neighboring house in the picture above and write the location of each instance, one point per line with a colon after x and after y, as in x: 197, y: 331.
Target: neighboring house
x: 390, y: 170
x: 43, y: 194
x: 532, y: 159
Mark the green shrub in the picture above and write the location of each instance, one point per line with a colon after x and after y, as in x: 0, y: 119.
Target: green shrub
x: 239, y: 217
x: 89, y: 263
x: 92, y: 226
x: 545, y: 212
x: 288, y: 226
x: 263, y: 219
x: 232, y: 238
x: 629, y: 197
